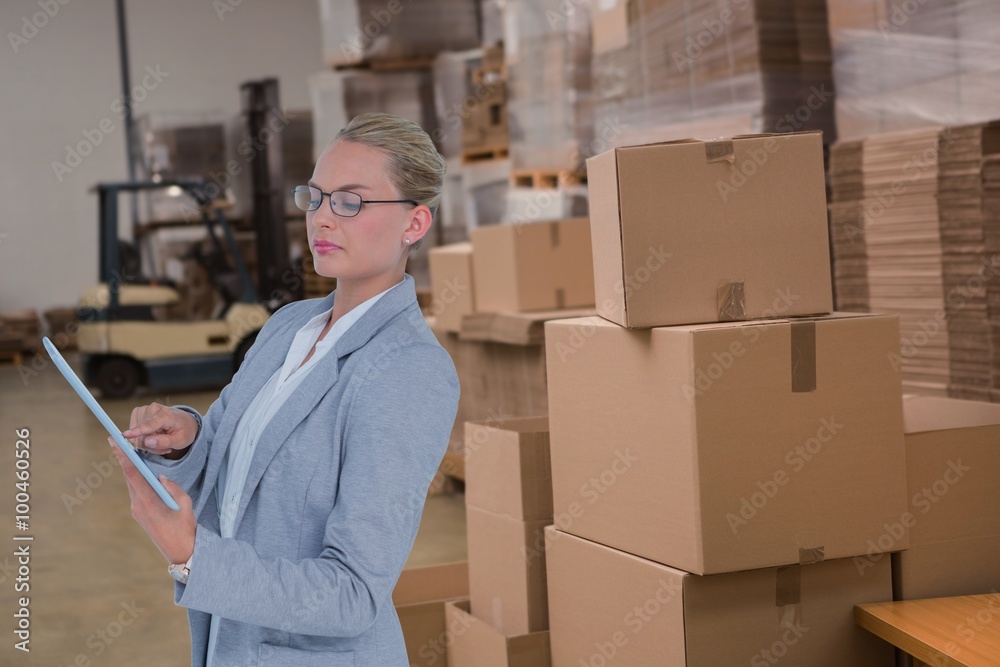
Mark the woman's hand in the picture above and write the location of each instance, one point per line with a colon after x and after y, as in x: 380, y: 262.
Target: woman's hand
x: 162, y: 430
x: 172, y: 531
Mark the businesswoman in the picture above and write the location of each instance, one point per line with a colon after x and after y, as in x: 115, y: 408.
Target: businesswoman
x: 302, y: 487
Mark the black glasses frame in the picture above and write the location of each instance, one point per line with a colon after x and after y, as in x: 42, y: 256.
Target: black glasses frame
x: 363, y: 201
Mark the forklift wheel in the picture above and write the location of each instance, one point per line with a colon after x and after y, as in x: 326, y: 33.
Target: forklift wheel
x: 117, y: 377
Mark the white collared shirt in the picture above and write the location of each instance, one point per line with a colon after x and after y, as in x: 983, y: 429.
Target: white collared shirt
x: 236, y: 465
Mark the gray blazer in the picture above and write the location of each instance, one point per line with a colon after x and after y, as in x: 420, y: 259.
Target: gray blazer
x: 333, y: 498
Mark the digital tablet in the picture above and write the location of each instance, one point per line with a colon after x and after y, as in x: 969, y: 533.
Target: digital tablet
x: 99, y: 412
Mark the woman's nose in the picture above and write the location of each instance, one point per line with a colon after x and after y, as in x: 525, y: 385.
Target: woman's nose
x: 324, y: 217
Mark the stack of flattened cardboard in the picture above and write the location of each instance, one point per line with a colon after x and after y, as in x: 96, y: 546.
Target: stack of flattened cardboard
x: 508, y: 498
x: 912, y: 226
x: 726, y: 453
x: 904, y: 65
x: 991, y: 211
x: 668, y: 69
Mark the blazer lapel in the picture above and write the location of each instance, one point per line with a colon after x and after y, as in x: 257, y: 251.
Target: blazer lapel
x: 269, y: 359
x: 318, y: 382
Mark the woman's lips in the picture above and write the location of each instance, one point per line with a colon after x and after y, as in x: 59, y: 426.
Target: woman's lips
x: 325, y: 248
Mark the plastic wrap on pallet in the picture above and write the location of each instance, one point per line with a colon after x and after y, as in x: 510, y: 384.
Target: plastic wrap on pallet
x: 671, y: 69
x: 547, y: 52
x: 902, y: 65
x: 491, y: 21
x: 454, y: 95
x: 537, y: 204
x: 339, y: 96
x: 452, y: 215
x: 485, y: 186
x: 356, y: 31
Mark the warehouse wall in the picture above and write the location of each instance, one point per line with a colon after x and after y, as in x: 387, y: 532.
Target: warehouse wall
x: 62, y: 86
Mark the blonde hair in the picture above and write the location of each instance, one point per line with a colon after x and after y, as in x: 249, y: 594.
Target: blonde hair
x: 416, y: 168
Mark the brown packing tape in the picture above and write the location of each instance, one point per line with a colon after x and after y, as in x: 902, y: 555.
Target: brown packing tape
x: 803, y: 356
x: 731, y: 299
x: 814, y: 555
x: 787, y: 585
x: 719, y: 151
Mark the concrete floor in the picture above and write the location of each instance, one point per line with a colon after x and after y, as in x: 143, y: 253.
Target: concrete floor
x: 100, y: 593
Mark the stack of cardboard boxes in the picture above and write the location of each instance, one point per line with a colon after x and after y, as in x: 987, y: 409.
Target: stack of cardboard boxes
x: 484, y: 125
x: 419, y: 599
x: 952, y: 465
x: 489, y: 298
x: 508, y: 505
x: 726, y: 452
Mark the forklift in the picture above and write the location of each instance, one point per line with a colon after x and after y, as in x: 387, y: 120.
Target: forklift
x: 122, y: 342
x: 123, y: 338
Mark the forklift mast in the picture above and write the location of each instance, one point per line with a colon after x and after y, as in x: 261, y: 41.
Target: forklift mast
x: 109, y: 259
x: 259, y: 100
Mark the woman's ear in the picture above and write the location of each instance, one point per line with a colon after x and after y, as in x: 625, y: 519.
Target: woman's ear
x: 420, y: 222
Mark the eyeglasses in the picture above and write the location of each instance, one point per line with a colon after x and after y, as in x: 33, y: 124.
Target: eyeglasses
x: 342, y: 202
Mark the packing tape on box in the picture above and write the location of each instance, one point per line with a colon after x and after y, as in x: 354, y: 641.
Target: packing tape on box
x: 803, y: 356
x: 732, y: 303
x: 810, y: 556
x: 788, y: 585
x: 719, y: 151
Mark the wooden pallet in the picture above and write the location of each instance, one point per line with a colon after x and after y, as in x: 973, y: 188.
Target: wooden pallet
x: 396, y: 65
x: 485, y: 153
x: 546, y: 179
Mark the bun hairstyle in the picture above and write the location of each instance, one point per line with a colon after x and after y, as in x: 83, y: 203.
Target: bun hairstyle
x: 416, y: 168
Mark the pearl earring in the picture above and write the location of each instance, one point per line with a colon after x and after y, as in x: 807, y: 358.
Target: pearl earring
x: 407, y: 240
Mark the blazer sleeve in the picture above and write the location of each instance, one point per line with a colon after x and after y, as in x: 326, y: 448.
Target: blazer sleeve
x: 187, y: 471
x: 398, y: 428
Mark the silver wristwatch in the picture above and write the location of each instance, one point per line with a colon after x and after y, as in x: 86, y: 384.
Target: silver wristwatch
x: 180, y: 572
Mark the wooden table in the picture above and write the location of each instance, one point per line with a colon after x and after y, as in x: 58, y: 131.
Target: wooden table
x: 943, y: 632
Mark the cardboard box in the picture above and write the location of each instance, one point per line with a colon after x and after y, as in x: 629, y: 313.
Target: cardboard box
x: 533, y: 266
x: 485, y: 124
x: 452, y: 293
x: 507, y: 571
x: 725, y: 447
x: 610, y: 607
x: 419, y: 598
x: 952, y: 468
x: 508, y: 469
x: 692, y: 231
x: 475, y: 643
